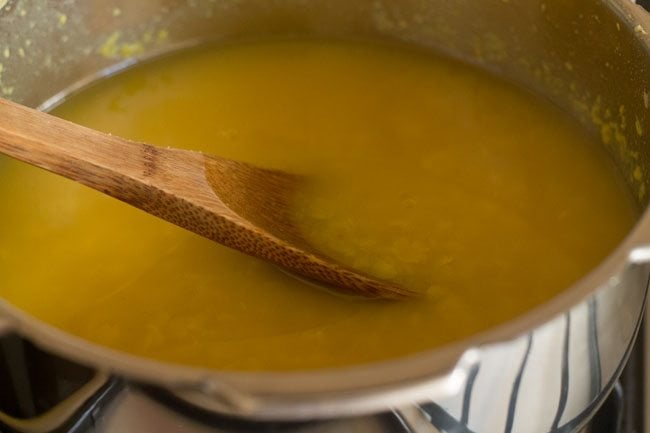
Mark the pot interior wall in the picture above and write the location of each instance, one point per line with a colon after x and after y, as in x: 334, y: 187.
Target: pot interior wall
x: 586, y: 56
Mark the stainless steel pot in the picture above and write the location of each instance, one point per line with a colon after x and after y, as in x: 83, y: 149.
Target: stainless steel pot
x: 545, y: 371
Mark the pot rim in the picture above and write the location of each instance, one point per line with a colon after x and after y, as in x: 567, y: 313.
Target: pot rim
x: 317, y: 393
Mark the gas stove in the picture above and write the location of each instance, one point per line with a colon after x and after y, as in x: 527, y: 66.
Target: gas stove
x: 41, y: 393
x: 626, y: 408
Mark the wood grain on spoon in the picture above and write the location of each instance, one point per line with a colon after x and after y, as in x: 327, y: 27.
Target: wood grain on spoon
x: 233, y: 203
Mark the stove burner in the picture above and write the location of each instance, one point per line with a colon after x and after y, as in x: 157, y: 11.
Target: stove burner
x: 624, y: 410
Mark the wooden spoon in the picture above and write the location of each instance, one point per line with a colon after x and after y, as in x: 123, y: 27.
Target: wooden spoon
x: 232, y: 203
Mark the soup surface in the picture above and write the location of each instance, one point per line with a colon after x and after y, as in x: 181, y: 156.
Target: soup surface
x: 423, y: 170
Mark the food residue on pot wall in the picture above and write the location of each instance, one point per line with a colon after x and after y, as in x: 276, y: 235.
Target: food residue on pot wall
x: 6, y: 90
x: 60, y: 38
x: 63, y: 19
x: 114, y: 48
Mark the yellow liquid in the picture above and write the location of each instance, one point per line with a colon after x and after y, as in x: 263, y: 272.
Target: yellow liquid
x: 425, y: 171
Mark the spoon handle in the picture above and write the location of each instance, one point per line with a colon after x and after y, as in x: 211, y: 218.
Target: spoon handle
x: 100, y: 161
x: 168, y: 183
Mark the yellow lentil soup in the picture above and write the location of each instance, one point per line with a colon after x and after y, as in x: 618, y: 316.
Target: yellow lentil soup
x: 421, y: 170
